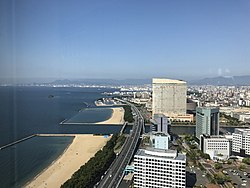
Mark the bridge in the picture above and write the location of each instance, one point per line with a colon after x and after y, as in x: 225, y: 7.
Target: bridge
x: 114, y: 175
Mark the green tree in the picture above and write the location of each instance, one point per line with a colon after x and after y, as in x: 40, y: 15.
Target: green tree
x: 242, y: 167
x: 217, y: 166
x: 90, y: 173
x: 246, y: 161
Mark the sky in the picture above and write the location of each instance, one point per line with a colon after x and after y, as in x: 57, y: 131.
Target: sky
x: 119, y: 39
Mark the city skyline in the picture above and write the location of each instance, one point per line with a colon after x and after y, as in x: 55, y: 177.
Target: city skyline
x: 47, y: 40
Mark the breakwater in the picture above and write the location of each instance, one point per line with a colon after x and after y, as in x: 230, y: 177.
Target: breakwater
x: 18, y: 141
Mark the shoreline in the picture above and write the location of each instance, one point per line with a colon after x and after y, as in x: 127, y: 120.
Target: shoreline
x: 73, y: 157
x: 117, y: 117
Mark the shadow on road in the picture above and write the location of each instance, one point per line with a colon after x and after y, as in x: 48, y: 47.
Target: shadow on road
x: 191, y: 179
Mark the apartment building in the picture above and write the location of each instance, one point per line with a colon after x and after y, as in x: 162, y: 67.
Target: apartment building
x: 157, y: 168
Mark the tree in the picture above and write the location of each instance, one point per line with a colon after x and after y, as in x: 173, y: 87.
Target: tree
x: 217, y: 166
x: 205, y: 156
x: 246, y: 161
x: 221, y: 178
x: 242, y: 167
x: 90, y: 173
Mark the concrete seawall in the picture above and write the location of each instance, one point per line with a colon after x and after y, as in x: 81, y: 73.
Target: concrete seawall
x: 18, y: 141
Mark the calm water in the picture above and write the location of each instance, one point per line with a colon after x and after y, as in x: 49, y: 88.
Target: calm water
x: 29, y: 110
x: 86, y: 115
x: 33, y: 155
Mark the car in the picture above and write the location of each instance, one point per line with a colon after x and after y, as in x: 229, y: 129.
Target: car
x: 244, y: 181
x: 243, y: 184
x: 224, y: 172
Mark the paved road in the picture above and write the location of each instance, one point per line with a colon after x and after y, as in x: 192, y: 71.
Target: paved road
x: 114, y: 174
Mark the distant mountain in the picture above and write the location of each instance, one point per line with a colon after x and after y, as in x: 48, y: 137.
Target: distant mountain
x: 103, y: 82
x: 225, y: 81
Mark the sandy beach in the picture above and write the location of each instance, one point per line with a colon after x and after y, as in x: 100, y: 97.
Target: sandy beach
x: 78, y: 153
x: 117, y: 117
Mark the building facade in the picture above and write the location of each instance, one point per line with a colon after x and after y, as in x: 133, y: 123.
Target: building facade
x: 169, y: 97
x: 160, y: 123
x: 160, y: 140
x: 207, y: 121
x: 241, y: 142
x: 217, y: 147
x: 159, y: 169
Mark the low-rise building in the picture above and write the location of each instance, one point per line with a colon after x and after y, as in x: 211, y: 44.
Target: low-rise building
x: 160, y: 140
x: 217, y: 147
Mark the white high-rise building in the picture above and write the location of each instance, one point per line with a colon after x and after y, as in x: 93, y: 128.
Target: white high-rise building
x: 241, y: 142
x: 169, y: 97
x: 157, y: 168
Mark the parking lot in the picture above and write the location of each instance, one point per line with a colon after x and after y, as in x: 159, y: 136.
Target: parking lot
x: 239, y: 179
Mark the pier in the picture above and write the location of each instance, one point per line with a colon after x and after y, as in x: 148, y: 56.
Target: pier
x: 18, y: 141
x: 61, y: 123
x: 57, y: 134
x: 32, y: 136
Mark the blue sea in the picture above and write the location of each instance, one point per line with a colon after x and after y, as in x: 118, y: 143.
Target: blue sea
x: 32, y: 110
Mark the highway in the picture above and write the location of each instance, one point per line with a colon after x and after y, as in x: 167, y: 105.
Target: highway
x: 114, y: 175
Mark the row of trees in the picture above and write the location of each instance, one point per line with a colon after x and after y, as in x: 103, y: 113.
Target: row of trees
x: 90, y: 173
x: 128, y: 116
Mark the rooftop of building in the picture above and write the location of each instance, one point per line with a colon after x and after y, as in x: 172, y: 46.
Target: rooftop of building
x: 159, y: 134
x: 208, y: 107
x: 246, y: 130
x: 214, y: 136
x: 159, y: 116
x: 161, y: 154
x: 167, y: 81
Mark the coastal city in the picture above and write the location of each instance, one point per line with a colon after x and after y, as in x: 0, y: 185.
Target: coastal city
x: 171, y: 134
x: 124, y: 94
x: 213, y: 153
x: 212, y: 156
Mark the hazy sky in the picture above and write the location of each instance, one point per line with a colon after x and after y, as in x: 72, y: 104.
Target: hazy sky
x: 123, y: 38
